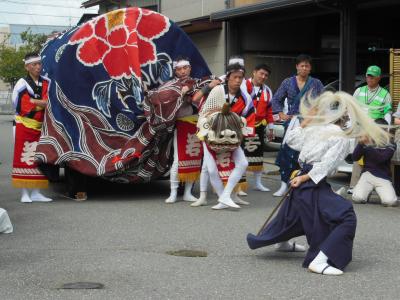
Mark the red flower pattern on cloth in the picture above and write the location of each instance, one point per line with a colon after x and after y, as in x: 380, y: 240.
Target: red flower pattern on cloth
x: 121, y: 40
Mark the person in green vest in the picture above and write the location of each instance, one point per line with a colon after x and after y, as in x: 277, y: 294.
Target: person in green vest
x: 375, y: 99
x: 377, y: 102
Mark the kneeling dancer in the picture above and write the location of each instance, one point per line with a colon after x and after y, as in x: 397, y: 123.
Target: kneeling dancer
x: 312, y: 208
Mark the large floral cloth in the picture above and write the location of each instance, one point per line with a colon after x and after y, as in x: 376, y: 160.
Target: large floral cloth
x: 110, y: 113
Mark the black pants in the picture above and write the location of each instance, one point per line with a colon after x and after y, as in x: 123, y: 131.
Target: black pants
x: 76, y: 182
x: 50, y: 171
x: 396, y: 179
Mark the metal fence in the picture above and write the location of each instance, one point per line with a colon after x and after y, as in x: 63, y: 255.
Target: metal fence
x: 6, y: 103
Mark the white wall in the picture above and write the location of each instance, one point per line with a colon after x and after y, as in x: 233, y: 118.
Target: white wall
x: 211, y: 44
x: 180, y: 10
x: 212, y: 47
x: 4, y: 32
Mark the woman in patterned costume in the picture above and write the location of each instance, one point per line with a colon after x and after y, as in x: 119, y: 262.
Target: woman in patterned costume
x: 30, y: 99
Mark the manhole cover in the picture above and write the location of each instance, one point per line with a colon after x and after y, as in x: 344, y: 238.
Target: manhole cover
x: 188, y: 253
x: 82, y: 286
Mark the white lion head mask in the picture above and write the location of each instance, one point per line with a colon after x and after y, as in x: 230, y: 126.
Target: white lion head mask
x: 220, y: 128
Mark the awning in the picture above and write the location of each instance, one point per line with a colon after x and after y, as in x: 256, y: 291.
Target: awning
x: 274, y: 5
x: 86, y: 17
x: 260, y: 8
x: 91, y: 3
x: 199, y: 25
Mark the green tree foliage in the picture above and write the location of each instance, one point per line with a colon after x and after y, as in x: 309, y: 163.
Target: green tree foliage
x: 11, y: 64
x: 32, y: 42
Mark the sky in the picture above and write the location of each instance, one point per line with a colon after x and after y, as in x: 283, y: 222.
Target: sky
x: 42, y: 12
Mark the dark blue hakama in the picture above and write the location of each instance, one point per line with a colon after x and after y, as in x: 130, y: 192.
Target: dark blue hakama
x: 287, y: 162
x: 287, y: 159
x: 327, y: 219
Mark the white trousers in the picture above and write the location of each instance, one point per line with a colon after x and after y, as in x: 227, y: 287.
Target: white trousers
x: 355, y: 174
x: 241, y: 165
x: 5, y: 223
x: 368, y: 182
x: 204, y: 177
x: 173, y: 173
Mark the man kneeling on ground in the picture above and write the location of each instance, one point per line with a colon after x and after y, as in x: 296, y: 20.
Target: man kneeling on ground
x: 376, y: 174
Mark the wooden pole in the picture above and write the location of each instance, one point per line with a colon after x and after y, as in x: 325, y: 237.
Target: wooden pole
x: 274, y: 210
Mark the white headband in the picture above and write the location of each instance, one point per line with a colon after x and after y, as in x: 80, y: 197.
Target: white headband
x: 235, y: 70
x: 180, y: 63
x: 236, y: 60
x: 32, y: 60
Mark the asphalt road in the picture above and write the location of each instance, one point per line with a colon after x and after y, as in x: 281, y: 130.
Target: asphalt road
x: 120, y: 236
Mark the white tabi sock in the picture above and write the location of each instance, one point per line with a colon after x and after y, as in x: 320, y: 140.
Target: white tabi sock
x: 282, y: 190
x: 320, y: 265
x: 201, y: 201
x: 25, y: 196
x: 259, y: 185
x: 290, y: 247
x: 220, y: 206
x: 36, y: 196
x: 187, y: 196
x: 227, y: 201
x: 173, y: 175
x: 341, y: 192
x: 241, y: 165
x: 237, y: 200
x: 173, y: 196
x: 242, y: 193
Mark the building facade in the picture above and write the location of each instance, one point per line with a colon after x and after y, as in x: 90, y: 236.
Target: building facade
x: 343, y: 36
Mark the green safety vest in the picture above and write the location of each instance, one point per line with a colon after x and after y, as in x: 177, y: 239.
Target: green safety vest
x: 377, y: 108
